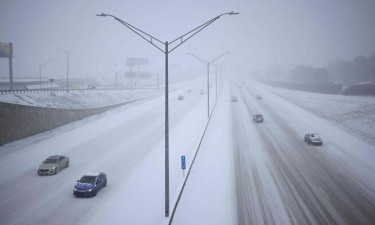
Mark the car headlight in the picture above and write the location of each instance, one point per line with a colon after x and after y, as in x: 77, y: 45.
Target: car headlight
x: 75, y: 189
x: 89, y: 190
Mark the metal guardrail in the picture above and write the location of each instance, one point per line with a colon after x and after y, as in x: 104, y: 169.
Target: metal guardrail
x: 43, y: 90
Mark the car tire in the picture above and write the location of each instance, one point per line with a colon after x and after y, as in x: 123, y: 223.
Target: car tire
x: 309, y: 142
x: 56, y: 170
x: 95, y: 192
x: 105, y: 183
x: 67, y: 165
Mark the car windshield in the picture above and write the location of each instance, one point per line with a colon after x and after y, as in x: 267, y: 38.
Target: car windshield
x: 87, y: 179
x: 50, y: 161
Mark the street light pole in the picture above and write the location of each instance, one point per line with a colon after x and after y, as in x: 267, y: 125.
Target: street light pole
x: 67, y: 68
x: 40, y: 72
x: 182, y: 39
x: 208, y: 90
x: 208, y: 76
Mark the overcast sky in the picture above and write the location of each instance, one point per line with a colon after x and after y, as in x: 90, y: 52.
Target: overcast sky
x: 265, y: 33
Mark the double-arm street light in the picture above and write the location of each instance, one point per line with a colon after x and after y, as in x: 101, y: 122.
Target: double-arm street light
x: 208, y: 76
x: 179, y: 41
x: 40, y: 72
x: 67, y: 68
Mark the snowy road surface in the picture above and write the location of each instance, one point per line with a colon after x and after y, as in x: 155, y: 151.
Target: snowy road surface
x: 245, y: 173
x: 282, y: 180
x: 116, y: 142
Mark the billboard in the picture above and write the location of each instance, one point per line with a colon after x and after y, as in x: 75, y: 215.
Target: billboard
x: 136, y: 61
x: 6, y: 50
x: 130, y: 74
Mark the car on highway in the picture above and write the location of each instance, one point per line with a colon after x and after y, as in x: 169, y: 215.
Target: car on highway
x: 258, y: 118
x: 90, y: 184
x: 180, y: 97
x: 234, y: 99
x: 259, y: 97
x: 53, y: 165
x: 313, y: 138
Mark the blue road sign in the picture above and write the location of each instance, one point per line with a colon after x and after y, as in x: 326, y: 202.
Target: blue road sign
x: 183, y: 164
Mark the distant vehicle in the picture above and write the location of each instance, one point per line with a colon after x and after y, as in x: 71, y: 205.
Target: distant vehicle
x: 90, y: 184
x: 259, y: 97
x: 258, y: 118
x: 313, y: 138
x: 202, y: 92
x: 91, y: 87
x: 53, y: 165
x: 189, y: 91
x: 180, y: 97
x: 234, y: 99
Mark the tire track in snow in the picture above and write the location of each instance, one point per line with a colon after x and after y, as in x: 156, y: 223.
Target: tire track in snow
x: 343, y: 201
x: 252, y: 207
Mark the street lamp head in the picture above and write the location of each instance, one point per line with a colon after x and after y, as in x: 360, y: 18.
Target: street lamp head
x: 233, y: 13
x: 102, y: 14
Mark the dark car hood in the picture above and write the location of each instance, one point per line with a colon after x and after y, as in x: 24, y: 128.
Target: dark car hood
x: 84, y: 186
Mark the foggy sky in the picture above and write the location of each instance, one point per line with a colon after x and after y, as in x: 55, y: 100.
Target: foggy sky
x: 266, y: 33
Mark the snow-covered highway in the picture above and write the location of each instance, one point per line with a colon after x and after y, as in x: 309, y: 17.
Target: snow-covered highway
x: 116, y: 142
x: 282, y: 180
x: 244, y: 173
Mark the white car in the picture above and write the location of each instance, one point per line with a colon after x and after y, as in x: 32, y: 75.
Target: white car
x: 53, y: 165
x: 313, y: 138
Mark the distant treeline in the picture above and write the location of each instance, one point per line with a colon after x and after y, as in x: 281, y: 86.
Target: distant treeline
x: 359, y: 70
x: 319, y: 88
x: 350, y: 77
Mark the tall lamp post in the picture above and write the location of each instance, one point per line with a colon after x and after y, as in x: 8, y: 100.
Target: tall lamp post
x: 208, y: 75
x: 179, y: 41
x: 40, y: 72
x: 67, y: 68
x: 216, y: 66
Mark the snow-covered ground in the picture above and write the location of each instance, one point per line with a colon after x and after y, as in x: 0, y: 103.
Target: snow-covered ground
x: 90, y: 99
x: 244, y: 173
x: 354, y: 114
x: 282, y: 180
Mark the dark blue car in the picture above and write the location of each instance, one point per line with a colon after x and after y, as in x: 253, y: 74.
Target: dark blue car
x: 90, y: 184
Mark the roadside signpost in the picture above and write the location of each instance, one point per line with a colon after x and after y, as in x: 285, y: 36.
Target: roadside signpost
x: 183, y: 165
